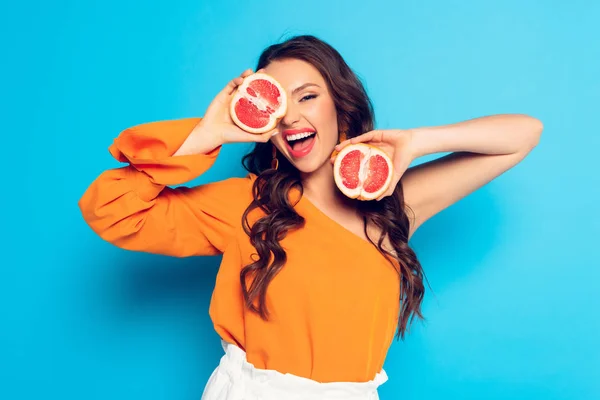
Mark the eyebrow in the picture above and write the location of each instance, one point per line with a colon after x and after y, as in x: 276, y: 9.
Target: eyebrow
x: 304, y: 86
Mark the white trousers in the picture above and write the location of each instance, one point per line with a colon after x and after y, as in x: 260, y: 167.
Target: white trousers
x: 236, y: 379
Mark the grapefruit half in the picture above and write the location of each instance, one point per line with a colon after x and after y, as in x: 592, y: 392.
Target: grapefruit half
x: 258, y: 104
x: 362, y: 171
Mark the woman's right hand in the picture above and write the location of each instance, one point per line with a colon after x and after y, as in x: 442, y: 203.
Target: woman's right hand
x: 217, y: 128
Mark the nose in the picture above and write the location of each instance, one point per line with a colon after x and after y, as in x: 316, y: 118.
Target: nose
x: 292, y: 115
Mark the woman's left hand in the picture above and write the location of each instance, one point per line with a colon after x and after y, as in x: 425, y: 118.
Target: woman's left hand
x: 395, y: 143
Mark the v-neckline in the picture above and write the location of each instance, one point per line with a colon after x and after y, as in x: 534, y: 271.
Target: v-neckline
x: 334, y: 224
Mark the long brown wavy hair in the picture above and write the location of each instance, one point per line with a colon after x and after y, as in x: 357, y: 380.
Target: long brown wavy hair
x: 272, y: 187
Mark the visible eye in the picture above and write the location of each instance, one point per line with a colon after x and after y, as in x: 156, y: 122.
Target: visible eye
x: 310, y: 96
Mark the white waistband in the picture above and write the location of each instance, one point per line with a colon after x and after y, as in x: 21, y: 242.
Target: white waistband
x: 267, y: 384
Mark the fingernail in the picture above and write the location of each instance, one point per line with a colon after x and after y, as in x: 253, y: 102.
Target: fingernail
x: 274, y: 133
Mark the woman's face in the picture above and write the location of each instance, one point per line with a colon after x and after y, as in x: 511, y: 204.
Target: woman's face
x: 310, y: 110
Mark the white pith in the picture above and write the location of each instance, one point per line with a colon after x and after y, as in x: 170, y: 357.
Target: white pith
x: 298, y: 136
x: 260, y: 103
x: 359, y: 193
x: 363, y: 171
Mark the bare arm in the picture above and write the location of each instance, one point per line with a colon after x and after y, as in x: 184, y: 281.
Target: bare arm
x: 482, y: 149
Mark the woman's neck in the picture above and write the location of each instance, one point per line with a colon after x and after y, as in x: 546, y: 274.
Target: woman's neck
x: 320, y: 188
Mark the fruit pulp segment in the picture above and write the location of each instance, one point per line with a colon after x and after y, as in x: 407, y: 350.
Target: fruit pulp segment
x: 266, y: 91
x: 350, y: 169
x: 250, y: 115
x: 378, y: 170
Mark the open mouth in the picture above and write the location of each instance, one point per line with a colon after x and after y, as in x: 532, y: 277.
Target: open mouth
x: 300, y: 144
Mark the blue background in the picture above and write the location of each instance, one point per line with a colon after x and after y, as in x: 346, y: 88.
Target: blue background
x: 514, y: 267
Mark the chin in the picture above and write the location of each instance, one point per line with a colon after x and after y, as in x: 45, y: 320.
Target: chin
x: 311, y: 163
x: 306, y: 167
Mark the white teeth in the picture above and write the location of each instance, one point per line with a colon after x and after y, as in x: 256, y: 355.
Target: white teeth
x: 298, y: 136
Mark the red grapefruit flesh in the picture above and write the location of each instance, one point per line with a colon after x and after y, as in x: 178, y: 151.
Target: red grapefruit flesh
x: 378, y: 171
x: 349, y: 169
x: 362, y: 171
x: 258, y: 104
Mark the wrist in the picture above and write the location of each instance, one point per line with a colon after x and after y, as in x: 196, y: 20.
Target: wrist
x: 419, y: 143
x: 408, y: 142
x: 205, y: 139
x: 198, y: 142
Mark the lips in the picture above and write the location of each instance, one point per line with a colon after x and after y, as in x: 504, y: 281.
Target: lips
x: 301, y: 147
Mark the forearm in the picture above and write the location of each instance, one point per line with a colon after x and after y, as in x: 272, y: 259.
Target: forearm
x: 198, y: 142
x: 495, y: 134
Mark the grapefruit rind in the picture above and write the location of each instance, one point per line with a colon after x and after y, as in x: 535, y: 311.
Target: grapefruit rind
x: 274, y: 118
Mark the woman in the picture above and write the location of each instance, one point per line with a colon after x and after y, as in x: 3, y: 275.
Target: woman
x: 312, y: 285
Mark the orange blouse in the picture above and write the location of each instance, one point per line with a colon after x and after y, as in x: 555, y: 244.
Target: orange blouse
x: 334, y: 305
